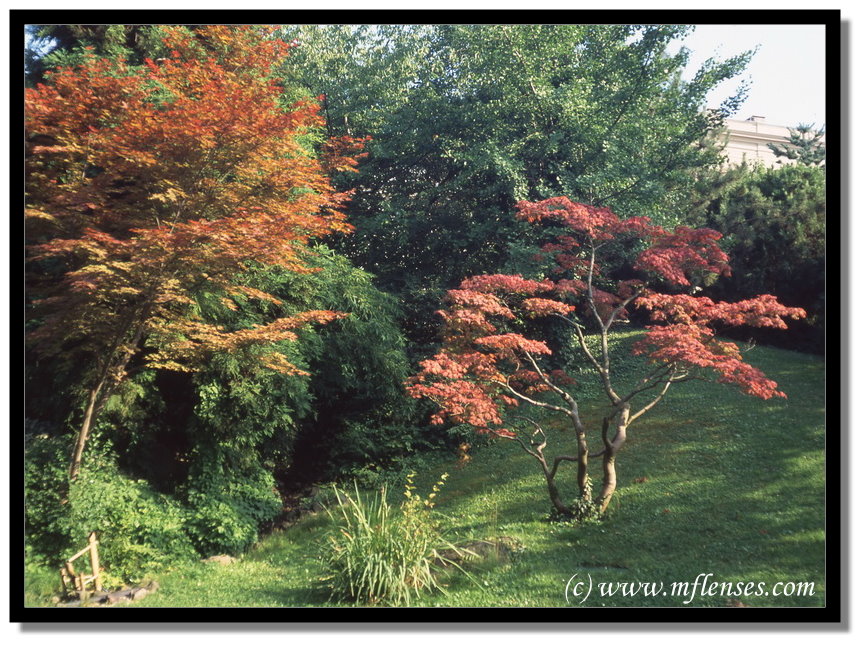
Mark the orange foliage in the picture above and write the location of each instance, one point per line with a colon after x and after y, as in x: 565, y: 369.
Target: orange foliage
x: 152, y: 183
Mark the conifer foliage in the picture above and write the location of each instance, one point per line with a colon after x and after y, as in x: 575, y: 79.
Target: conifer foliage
x: 488, y: 365
x: 147, y: 185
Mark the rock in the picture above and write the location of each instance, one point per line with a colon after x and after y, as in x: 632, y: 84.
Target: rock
x: 139, y: 593
x: 114, y: 597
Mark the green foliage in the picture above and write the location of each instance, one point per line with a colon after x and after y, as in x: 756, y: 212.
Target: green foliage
x: 360, y: 411
x: 805, y: 145
x: 46, y: 519
x: 53, y: 46
x: 585, y: 510
x: 139, y: 530
x: 774, y: 226
x: 381, y: 553
x: 468, y: 119
x: 230, y: 496
x: 215, y: 439
x: 41, y: 583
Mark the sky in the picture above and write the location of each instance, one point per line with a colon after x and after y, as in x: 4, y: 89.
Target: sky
x: 787, y: 75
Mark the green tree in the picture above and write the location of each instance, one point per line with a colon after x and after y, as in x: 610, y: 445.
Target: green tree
x: 466, y: 120
x: 774, y: 226
x: 804, y: 145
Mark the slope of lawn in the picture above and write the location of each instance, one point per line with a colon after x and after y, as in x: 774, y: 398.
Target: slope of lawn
x: 711, y: 481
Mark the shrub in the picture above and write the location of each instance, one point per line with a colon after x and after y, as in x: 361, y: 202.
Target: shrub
x: 229, y: 503
x: 45, y: 481
x: 382, y: 553
x: 139, y: 530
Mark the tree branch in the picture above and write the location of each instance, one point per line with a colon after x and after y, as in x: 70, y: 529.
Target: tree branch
x: 621, y: 307
x: 604, y: 374
x: 653, y: 402
x: 525, y: 398
x: 655, y: 381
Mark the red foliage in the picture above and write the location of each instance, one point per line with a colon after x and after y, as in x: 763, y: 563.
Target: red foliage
x: 677, y: 256
x: 513, y: 284
x: 598, y: 223
x: 689, y: 340
x: 763, y: 311
x: 544, y: 307
x: 486, y: 366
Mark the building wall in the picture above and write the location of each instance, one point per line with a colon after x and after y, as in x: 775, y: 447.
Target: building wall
x: 749, y: 140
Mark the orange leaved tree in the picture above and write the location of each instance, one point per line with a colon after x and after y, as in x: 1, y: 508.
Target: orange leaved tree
x: 488, y: 365
x: 148, y: 184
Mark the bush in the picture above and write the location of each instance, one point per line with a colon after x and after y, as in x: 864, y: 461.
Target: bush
x: 774, y: 226
x: 229, y: 503
x: 139, y: 530
x: 45, y: 481
x: 358, y: 364
x: 384, y: 554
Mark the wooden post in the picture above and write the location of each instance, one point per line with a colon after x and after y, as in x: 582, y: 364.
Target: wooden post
x: 65, y: 579
x: 94, y: 562
x: 79, y: 581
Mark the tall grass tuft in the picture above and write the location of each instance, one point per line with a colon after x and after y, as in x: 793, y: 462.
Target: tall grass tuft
x: 382, y: 553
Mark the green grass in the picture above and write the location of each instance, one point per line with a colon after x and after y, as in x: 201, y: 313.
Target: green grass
x: 711, y: 481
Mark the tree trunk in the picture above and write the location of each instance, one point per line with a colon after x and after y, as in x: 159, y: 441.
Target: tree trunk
x: 108, y: 382
x: 583, y: 467
x: 609, y: 466
x: 83, y: 432
x: 609, y: 487
x: 560, y: 507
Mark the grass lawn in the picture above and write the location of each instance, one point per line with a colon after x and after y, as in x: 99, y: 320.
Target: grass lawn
x: 711, y: 481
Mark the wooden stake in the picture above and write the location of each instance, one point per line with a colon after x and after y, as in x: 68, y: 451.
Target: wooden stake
x: 94, y: 562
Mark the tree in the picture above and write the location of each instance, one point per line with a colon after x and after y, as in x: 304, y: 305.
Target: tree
x: 150, y: 185
x: 469, y: 119
x: 487, y: 365
x: 774, y: 224
x: 805, y: 145
x: 50, y: 46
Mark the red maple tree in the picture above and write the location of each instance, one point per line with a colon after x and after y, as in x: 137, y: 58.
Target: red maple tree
x: 487, y: 366
x: 149, y: 184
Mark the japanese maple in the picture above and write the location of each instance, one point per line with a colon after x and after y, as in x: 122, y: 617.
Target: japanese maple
x: 487, y: 365
x: 150, y: 184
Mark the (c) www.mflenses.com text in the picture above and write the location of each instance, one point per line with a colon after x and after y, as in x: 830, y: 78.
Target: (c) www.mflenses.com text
x: 581, y: 586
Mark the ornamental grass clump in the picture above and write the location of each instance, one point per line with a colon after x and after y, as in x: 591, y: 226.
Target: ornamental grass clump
x: 383, y: 553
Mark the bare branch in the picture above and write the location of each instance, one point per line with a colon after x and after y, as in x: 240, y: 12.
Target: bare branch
x: 538, y: 430
x: 525, y: 398
x: 565, y: 395
x: 624, y: 304
x: 529, y: 451
x: 559, y: 459
x: 590, y: 291
x: 604, y: 373
x: 654, y: 401
x: 655, y: 381
x: 582, y: 339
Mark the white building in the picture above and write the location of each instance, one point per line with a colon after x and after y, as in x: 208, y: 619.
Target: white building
x: 749, y: 141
